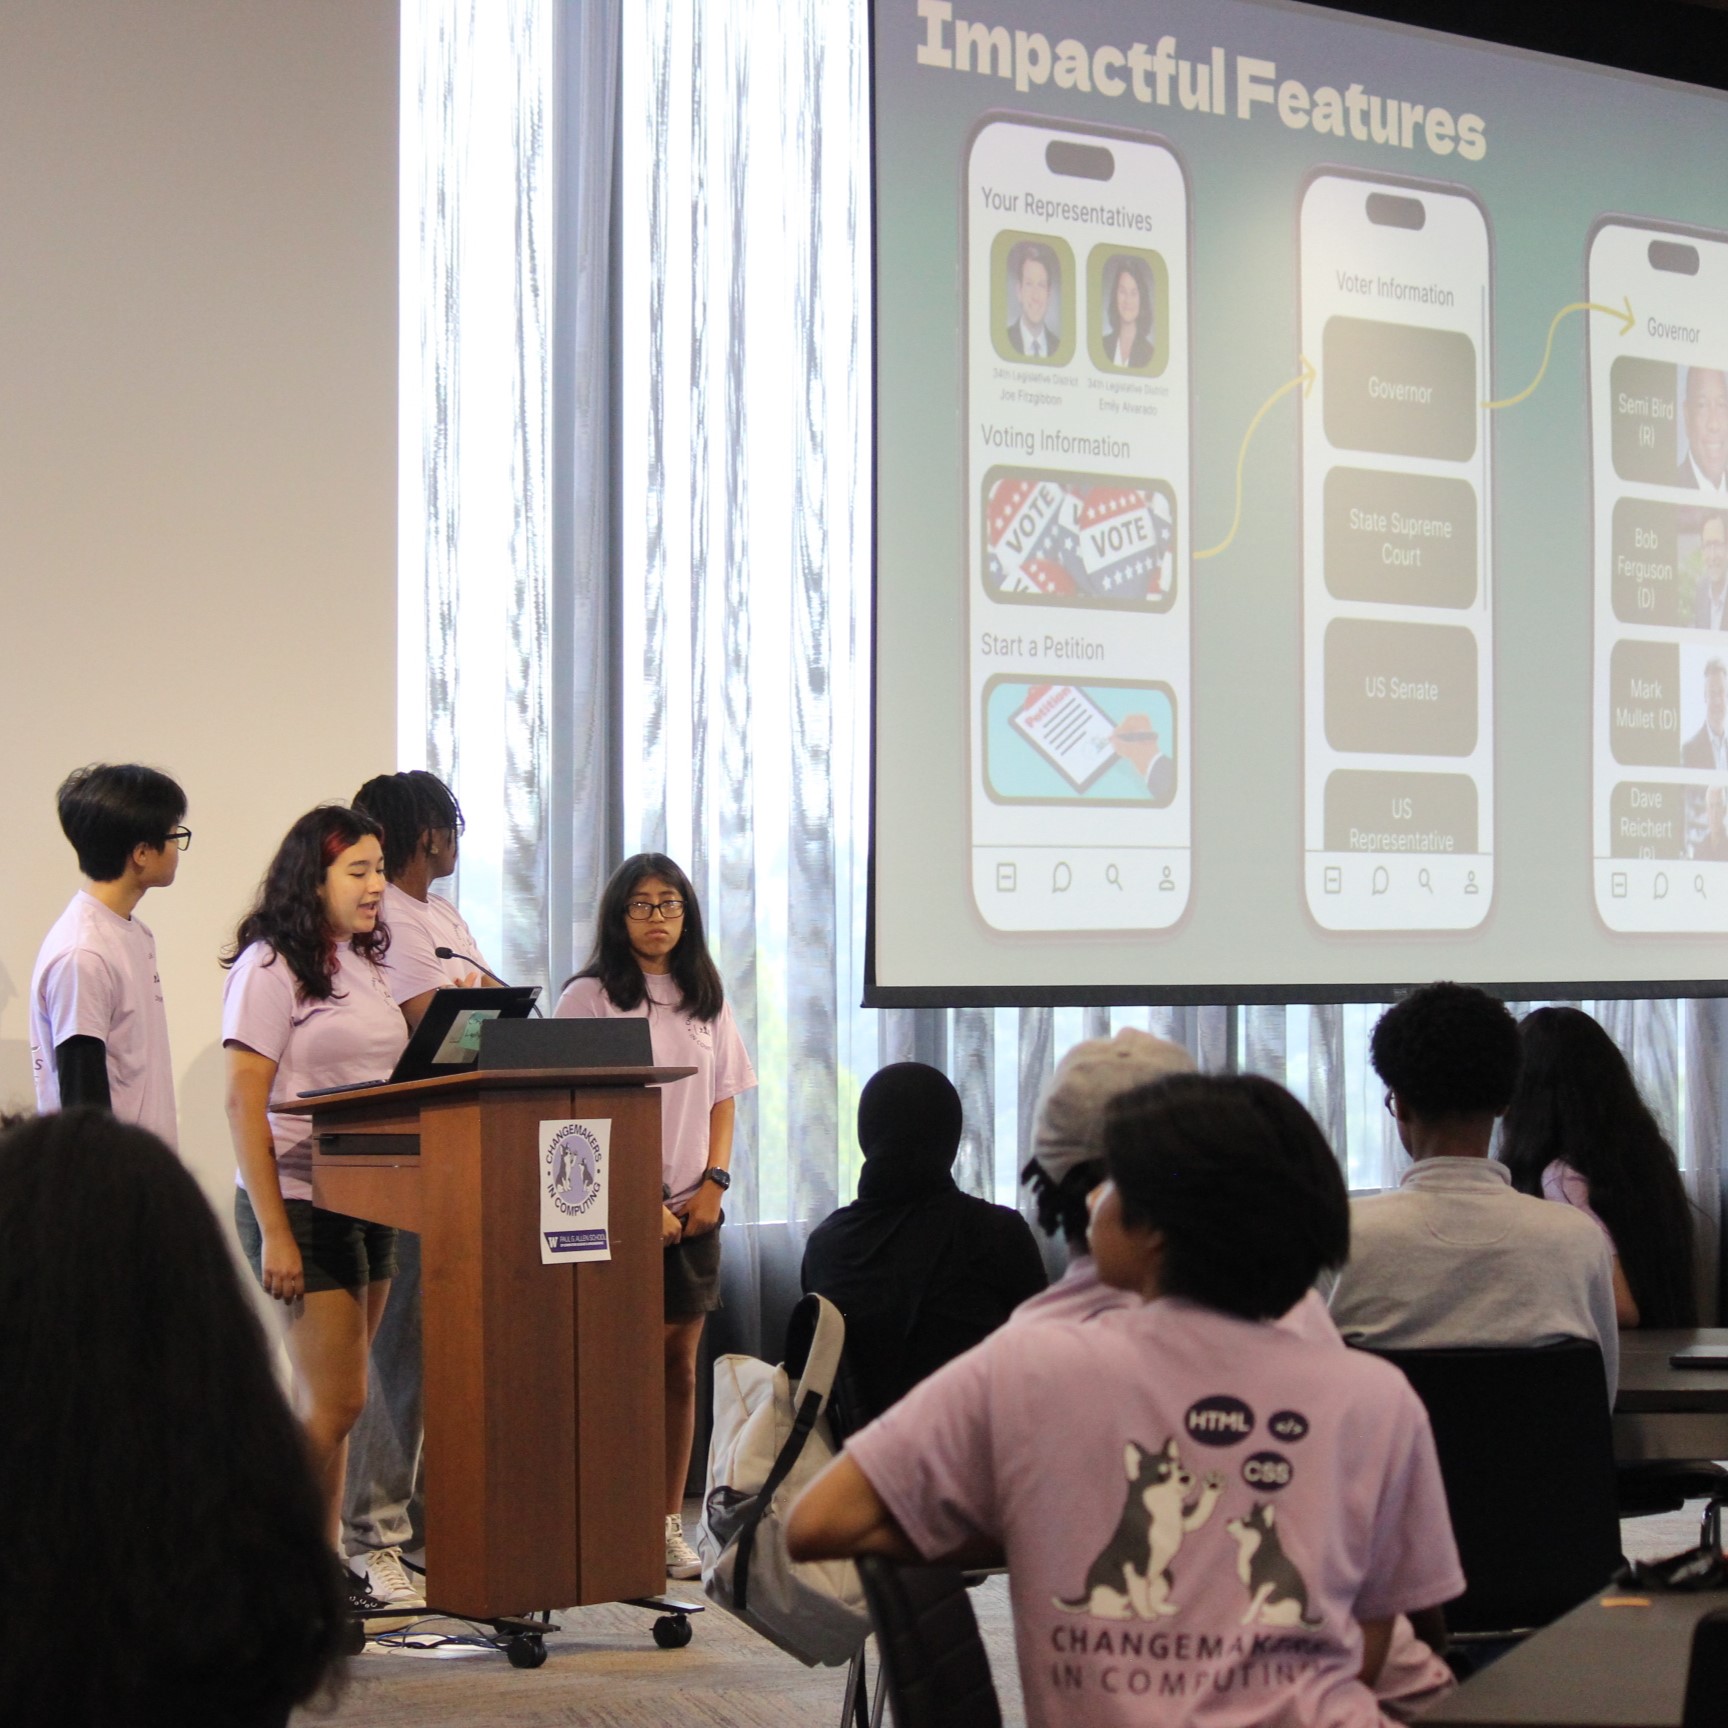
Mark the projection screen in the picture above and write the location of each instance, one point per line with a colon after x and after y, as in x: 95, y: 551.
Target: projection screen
x: 1301, y: 510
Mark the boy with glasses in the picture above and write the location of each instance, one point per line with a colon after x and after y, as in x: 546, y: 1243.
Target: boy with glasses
x: 98, y: 1026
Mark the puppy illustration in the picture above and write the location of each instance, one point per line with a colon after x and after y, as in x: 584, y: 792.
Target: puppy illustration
x: 1131, y: 1577
x: 1276, y: 1594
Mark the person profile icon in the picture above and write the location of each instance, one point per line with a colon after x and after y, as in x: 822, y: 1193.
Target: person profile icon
x: 1167, y: 882
x: 1470, y: 883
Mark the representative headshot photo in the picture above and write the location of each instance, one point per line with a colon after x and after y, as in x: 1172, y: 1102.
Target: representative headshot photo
x: 1129, y: 322
x: 1703, y: 430
x: 1032, y: 298
x: 1703, y: 708
x: 1701, y: 548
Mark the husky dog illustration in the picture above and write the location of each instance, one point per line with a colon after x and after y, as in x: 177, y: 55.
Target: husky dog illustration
x: 1131, y: 1577
x: 1276, y: 1594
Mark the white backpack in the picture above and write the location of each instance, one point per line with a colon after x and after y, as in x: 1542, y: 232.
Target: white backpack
x: 770, y: 1441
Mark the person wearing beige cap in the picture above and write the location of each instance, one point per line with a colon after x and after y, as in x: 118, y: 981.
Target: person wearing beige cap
x: 1067, y: 1160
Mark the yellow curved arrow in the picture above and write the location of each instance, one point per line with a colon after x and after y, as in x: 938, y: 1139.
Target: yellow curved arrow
x: 1627, y: 320
x: 1304, y: 380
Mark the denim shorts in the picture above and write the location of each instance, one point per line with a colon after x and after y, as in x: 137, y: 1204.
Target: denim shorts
x: 337, y: 1252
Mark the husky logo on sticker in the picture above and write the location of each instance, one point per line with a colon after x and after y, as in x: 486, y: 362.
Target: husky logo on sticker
x: 573, y: 1160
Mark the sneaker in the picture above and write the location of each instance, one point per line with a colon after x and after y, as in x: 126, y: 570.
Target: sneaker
x: 369, y: 1616
x: 381, y: 1573
x: 682, y: 1561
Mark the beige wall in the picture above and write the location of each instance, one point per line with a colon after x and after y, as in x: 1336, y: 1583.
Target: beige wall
x: 197, y: 452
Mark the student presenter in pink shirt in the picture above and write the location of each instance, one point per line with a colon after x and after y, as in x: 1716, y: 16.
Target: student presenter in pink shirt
x: 306, y: 1006
x: 651, y: 960
x: 1206, y: 1519
x: 98, y: 1026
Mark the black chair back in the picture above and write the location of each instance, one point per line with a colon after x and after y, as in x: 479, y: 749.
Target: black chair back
x: 1707, y: 1674
x: 934, y: 1661
x: 1527, y: 1452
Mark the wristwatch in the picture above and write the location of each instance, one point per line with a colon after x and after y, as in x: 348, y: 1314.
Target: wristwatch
x: 722, y: 1179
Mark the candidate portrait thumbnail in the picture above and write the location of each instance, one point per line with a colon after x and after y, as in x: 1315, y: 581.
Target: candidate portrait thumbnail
x: 1668, y: 425
x: 1032, y: 298
x: 1079, y: 539
x: 1104, y: 741
x: 1127, y: 293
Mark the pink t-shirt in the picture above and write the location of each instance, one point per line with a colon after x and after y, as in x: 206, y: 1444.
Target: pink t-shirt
x: 1197, y: 1511
x: 356, y: 1034
x: 679, y: 1040
x: 416, y: 928
x: 96, y: 977
x: 1076, y: 1295
x: 1561, y: 1182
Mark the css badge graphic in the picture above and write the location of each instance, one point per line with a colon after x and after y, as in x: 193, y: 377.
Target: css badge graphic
x: 573, y: 1209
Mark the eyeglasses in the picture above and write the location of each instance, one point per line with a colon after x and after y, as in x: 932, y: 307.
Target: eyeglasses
x: 640, y: 911
x: 179, y: 838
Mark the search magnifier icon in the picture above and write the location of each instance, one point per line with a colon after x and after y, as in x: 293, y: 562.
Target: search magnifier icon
x: 1424, y: 880
x: 1113, y: 876
x: 1698, y: 884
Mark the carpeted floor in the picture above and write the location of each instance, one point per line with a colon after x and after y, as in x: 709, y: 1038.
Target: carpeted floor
x: 603, y: 1670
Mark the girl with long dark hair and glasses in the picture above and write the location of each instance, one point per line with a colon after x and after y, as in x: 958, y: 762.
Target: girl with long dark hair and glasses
x: 651, y: 960
x: 307, y: 1006
x: 1578, y: 1131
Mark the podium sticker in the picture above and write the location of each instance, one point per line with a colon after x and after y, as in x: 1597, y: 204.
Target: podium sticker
x: 574, y: 1177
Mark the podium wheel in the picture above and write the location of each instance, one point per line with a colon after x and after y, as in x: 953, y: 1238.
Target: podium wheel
x: 525, y: 1651
x: 673, y: 1631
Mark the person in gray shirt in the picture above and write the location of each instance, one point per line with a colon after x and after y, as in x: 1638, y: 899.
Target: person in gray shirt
x: 1455, y: 1255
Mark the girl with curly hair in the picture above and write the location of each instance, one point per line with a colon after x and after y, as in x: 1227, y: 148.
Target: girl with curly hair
x: 306, y: 1006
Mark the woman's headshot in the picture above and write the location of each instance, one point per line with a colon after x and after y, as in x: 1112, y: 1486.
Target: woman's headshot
x: 1129, y: 313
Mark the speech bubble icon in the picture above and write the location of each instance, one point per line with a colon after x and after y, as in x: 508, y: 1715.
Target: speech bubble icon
x: 1061, y: 878
x: 1380, y: 881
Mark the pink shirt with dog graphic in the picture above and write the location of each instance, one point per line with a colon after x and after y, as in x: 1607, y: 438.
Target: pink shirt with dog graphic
x: 1197, y: 1511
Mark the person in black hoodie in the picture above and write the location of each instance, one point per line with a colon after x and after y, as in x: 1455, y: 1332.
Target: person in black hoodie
x: 920, y: 1270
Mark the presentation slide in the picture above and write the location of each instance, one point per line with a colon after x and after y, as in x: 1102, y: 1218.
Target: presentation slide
x: 1301, y: 510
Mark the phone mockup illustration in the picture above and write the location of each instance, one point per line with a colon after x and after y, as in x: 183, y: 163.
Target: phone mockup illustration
x: 1079, y: 687
x: 1658, y: 383
x: 1397, y: 554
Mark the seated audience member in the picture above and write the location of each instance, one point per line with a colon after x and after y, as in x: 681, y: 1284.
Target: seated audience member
x: 1578, y: 1131
x: 1067, y: 1160
x: 1455, y: 1255
x: 162, y: 1552
x: 920, y: 1270
x: 1413, y: 1675
x: 1196, y: 1507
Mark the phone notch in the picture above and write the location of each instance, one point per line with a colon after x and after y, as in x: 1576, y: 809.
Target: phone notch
x: 1389, y: 210
x: 1079, y: 161
x: 1673, y: 256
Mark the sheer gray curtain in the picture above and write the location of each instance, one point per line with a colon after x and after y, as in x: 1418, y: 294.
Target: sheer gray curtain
x: 635, y: 586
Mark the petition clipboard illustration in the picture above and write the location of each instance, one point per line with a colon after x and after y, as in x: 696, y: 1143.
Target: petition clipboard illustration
x: 1069, y: 730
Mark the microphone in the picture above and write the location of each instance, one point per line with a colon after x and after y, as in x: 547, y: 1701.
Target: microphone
x: 451, y: 954
x: 444, y: 953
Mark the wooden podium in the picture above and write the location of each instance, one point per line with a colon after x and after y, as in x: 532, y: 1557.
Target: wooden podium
x: 544, y: 1391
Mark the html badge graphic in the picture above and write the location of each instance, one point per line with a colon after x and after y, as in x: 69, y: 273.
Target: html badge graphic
x: 573, y: 1171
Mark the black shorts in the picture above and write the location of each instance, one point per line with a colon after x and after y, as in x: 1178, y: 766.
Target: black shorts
x: 336, y: 1252
x: 691, y: 1276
